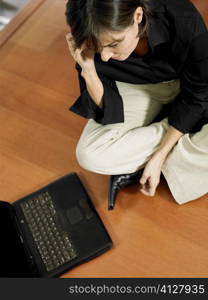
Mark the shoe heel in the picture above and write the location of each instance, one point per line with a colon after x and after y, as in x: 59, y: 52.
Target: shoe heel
x: 111, y: 204
x: 112, y: 192
x: 111, y: 199
x: 117, y: 182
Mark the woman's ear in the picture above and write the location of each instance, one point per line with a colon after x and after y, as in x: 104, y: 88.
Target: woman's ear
x: 138, y: 15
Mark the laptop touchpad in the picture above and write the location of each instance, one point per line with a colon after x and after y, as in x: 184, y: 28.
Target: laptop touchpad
x: 74, y: 215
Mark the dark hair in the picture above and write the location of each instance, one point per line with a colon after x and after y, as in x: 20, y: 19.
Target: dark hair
x: 88, y: 18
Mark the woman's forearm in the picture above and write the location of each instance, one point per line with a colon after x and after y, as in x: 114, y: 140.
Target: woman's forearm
x: 85, y: 58
x: 168, y: 142
x: 94, y: 86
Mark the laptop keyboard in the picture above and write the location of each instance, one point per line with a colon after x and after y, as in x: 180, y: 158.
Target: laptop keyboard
x: 54, y: 244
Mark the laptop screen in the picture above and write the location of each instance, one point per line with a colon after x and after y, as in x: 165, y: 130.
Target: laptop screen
x: 13, y: 261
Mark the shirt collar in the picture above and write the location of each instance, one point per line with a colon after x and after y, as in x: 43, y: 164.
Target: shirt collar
x: 157, y: 32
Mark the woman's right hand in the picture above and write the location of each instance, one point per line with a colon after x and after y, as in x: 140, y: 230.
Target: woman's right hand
x: 84, y: 57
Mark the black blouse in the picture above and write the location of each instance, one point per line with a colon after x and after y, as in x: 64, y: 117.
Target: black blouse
x: 178, y: 40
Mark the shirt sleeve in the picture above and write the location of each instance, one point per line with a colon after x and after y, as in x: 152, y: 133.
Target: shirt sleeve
x: 191, y: 105
x: 112, y: 109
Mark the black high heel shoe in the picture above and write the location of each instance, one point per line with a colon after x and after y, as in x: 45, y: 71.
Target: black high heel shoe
x: 117, y: 182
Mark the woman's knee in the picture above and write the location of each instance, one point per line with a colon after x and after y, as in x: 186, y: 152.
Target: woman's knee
x: 87, y: 159
x: 83, y: 157
x: 91, y: 152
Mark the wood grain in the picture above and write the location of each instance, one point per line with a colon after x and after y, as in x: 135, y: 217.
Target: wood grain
x: 19, y: 19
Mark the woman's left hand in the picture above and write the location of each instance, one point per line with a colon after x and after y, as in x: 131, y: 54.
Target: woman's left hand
x: 152, y: 171
x: 151, y: 175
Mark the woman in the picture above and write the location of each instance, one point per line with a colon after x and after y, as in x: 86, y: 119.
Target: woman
x: 135, y: 59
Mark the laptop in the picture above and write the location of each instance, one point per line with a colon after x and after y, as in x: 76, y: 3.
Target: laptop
x: 50, y: 231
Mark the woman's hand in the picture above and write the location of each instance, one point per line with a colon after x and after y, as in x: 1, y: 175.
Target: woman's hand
x: 84, y: 57
x: 152, y: 171
x: 151, y: 175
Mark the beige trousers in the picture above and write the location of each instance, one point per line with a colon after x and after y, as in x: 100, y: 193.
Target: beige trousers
x: 123, y: 148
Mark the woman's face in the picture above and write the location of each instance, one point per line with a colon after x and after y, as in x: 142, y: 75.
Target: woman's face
x: 119, y: 45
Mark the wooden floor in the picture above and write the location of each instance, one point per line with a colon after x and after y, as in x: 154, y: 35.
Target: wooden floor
x: 153, y: 237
